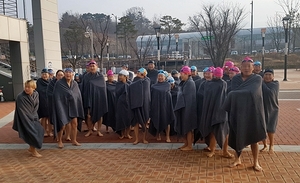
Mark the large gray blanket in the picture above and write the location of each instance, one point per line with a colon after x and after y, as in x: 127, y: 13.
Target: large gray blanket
x: 109, y: 119
x: 214, y: 117
x: 67, y: 104
x: 140, y: 98
x: 245, y: 106
x: 161, y: 112
x: 26, y: 120
x: 94, y: 95
x: 123, y: 112
x: 186, y: 109
x: 42, y: 86
x: 270, y: 96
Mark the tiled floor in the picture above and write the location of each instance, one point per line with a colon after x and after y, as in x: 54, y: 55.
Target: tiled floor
x: 143, y: 166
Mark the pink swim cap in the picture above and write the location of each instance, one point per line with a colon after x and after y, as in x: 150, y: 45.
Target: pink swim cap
x: 228, y: 64
x: 186, y: 70
x: 235, y: 69
x: 110, y: 73
x: 218, y: 72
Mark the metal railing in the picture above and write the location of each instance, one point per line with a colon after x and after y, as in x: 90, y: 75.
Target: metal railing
x: 9, y: 8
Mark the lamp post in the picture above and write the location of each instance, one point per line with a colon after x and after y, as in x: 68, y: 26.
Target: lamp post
x: 157, y: 32
x: 176, y: 39
x: 285, y: 22
x: 107, y: 52
x: 89, y: 34
x: 263, y: 34
x: 117, y: 53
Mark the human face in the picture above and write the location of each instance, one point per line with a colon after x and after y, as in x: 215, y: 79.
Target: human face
x: 257, y: 69
x: 208, y: 75
x: 68, y: 75
x: 93, y: 68
x: 268, y: 77
x: 45, y: 76
x: 110, y: 78
x: 184, y: 76
x: 140, y: 75
x: 161, y: 78
x: 194, y: 73
x: 122, y: 78
x: 247, y: 68
x: 231, y: 74
x: 60, y: 75
x: 28, y: 90
x: 226, y: 70
x: 151, y: 66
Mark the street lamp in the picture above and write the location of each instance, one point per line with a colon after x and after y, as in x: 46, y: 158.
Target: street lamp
x: 285, y: 22
x: 157, y: 32
x: 116, y: 33
x: 263, y: 34
x: 176, y: 39
x: 107, y: 52
x: 89, y: 34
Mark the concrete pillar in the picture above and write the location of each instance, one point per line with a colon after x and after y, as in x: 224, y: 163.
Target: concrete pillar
x: 19, y: 57
x: 46, y: 34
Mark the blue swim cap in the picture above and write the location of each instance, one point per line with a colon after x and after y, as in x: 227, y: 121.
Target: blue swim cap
x: 193, y: 68
x: 257, y: 63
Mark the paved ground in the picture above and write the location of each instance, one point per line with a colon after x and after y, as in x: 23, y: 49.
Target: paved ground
x: 131, y: 166
x: 108, y: 159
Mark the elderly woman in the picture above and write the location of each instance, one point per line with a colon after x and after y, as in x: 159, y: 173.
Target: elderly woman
x: 247, y: 119
x: 67, y: 107
x: 161, y: 111
x: 186, y: 108
x: 270, y: 89
x: 26, y: 120
x: 42, y: 85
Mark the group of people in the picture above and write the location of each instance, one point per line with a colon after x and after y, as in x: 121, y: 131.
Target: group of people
x: 229, y: 106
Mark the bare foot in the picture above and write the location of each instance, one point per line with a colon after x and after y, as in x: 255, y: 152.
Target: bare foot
x: 46, y: 135
x: 184, y: 145
x: 121, y: 137
x: 227, y: 155
x: 99, y: 134
x: 36, y: 154
x: 271, y: 149
x: 237, y: 162
x: 75, y: 143
x: 135, y: 142
x: 89, y: 133
x: 211, y: 154
x: 29, y: 150
x: 68, y: 139
x: 129, y: 137
x: 94, y: 129
x: 60, y: 145
x: 158, y: 138
x: 257, y: 168
x: 145, y: 142
x: 168, y: 140
x: 207, y: 149
x: 264, y: 149
x: 186, y: 148
x: 50, y: 134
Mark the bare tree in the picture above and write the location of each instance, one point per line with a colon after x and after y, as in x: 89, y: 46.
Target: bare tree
x: 170, y: 26
x: 291, y: 9
x: 275, y: 30
x: 100, y: 24
x: 217, y: 26
x: 141, y: 51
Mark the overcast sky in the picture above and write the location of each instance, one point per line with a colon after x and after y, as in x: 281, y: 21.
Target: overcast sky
x: 180, y: 9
